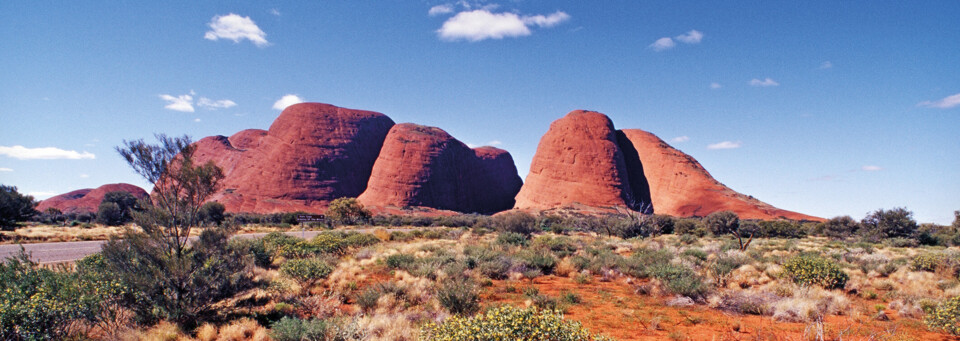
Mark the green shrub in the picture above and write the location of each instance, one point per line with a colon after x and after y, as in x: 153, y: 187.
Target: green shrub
x: 946, y: 316
x: 347, y: 211
x: 927, y: 262
x: 15, y: 207
x: 561, y: 246
x: 367, y: 299
x: 723, y: 266
x: 519, y: 222
x: 360, y: 240
x: 643, y: 260
x: 109, y: 213
x: 459, y: 297
x: 680, y: 280
x: 295, y: 329
x: 882, y: 224
x: 696, y: 254
x: 399, y: 261
x: 544, y: 262
x: 512, y: 238
x: 306, y: 270
x: 815, y: 270
x: 211, y: 213
x: 37, y: 303
x: 509, y: 323
x: 690, y: 226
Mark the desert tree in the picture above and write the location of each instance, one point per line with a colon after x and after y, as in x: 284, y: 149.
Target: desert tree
x: 893, y: 223
x: 15, y: 207
x: 727, y: 222
x: 170, y: 277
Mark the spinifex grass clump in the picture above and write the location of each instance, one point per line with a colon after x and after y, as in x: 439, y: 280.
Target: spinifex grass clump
x: 509, y: 323
x: 815, y: 270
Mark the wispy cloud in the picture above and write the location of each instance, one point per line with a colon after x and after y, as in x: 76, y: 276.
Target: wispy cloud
x: 440, y: 9
x: 725, y: 145
x: 236, y: 28
x: 680, y: 139
x: 491, y: 143
x: 666, y: 43
x: 84, y: 176
x: 825, y: 65
x: 44, y: 153
x: 763, y: 83
x: 182, y: 103
x: 5, y: 169
x: 286, y: 101
x: 210, y: 104
x: 715, y: 85
x: 945, y: 103
x: 662, y: 44
x: 692, y: 37
x: 275, y: 11
x: 481, y: 24
x: 871, y: 168
x: 197, y: 120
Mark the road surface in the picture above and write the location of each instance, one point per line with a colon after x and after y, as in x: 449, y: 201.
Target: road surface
x: 45, y: 253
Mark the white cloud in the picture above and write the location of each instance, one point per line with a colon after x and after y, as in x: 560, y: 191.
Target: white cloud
x: 494, y: 143
x: 210, y: 104
x: 182, y: 103
x: 41, y: 195
x: 286, y: 101
x: 765, y: 82
x: 440, y: 9
x: 945, y: 103
x: 871, y: 168
x: 197, y: 120
x: 45, y: 153
x: 5, y: 169
x: 547, y: 21
x: 679, y: 139
x: 236, y: 28
x: 274, y: 11
x: 692, y: 37
x: 482, y: 24
x: 715, y: 85
x: 725, y: 145
x: 825, y: 65
x: 661, y: 44
x: 84, y: 176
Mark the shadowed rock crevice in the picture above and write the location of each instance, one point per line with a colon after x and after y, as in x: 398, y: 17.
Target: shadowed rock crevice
x: 640, y: 188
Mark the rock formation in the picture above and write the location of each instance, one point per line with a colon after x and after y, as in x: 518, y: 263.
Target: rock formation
x: 313, y: 153
x: 680, y: 186
x: 582, y: 161
x: 579, y: 161
x: 87, y: 200
x: 425, y: 166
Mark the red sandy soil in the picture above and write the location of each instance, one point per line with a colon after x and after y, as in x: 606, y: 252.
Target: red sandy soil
x: 615, y: 309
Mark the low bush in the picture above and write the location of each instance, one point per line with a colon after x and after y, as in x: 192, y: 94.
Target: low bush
x: 643, y: 260
x: 519, y: 222
x: 509, y: 323
x: 459, y: 297
x: 680, y: 280
x: 512, y: 238
x: 399, y: 261
x: 946, y: 316
x: 306, y: 270
x: 561, y: 246
x: 36, y: 303
x: 815, y: 270
x: 724, y: 265
x: 544, y: 262
x: 295, y: 329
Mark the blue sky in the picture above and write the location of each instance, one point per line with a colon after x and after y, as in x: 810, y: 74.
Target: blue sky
x: 826, y: 108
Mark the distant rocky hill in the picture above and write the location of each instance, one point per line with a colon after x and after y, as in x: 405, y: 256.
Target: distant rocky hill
x: 87, y: 200
x: 583, y: 161
x: 314, y: 153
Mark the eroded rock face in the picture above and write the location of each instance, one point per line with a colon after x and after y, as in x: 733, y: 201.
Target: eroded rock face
x: 425, y: 166
x: 87, y: 200
x: 579, y: 161
x: 313, y: 153
x: 680, y: 186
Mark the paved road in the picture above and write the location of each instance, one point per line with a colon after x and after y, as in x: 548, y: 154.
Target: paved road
x: 72, y: 251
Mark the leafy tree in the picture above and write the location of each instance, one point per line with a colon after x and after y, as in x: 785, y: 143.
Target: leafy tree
x: 956, y: 219
x: 839, y: 227
x: 725, y: 222
x: 14, y: 207
x: 109, y: 213
x: 894, y: 223
x: 212, y: 213
x: 347, y: 211
x: 169, y: 278
x: 126, y: 202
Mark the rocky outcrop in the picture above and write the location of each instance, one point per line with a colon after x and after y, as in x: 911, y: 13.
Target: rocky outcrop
x: 579, y: 161
x: 583, y: 163
x: 680, y: 186
x: 313, y: 153
x: 87, y: 200
x: 425, y: 166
